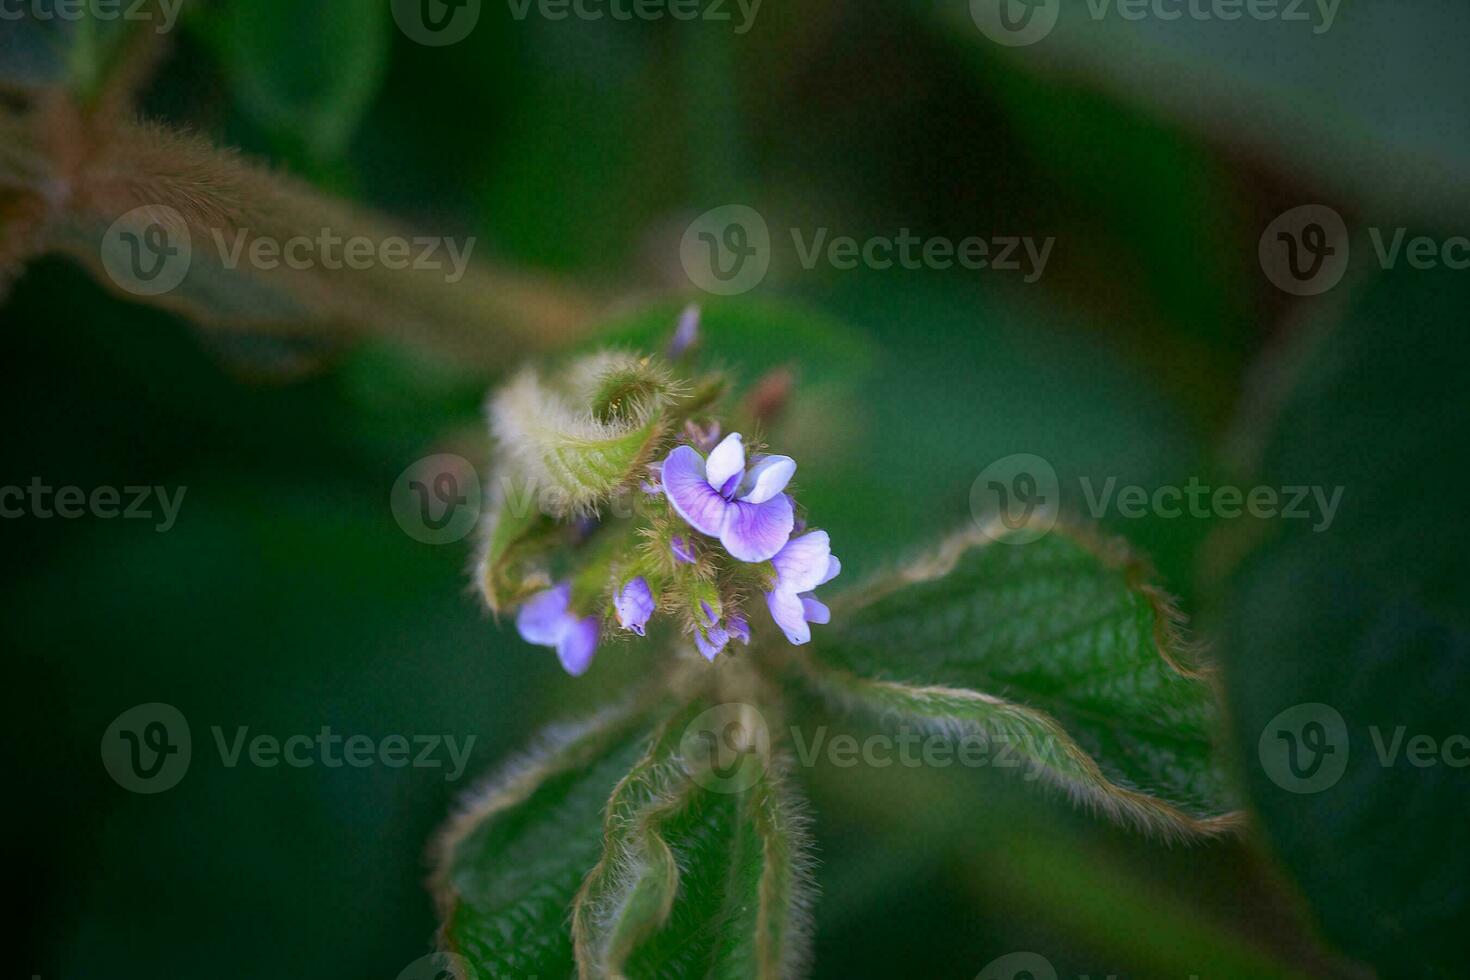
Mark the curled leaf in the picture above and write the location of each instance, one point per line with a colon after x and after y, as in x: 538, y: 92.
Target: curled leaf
x: 581, y: 442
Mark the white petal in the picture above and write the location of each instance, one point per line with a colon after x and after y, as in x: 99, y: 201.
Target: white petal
x: 726, y: 460
x: 767, y: 477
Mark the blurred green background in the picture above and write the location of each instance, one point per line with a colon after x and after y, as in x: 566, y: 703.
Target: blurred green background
x: 1154, y: 349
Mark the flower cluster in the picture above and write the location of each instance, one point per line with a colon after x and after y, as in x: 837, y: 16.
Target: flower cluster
x: 702, y: 524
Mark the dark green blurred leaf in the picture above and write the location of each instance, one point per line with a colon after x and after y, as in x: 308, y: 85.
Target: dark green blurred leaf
x: 1366, y: 619
x: 1323, y: 101
x: 305, y: 72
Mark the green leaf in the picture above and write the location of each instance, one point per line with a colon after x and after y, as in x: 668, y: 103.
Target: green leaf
x: 1057, y: 654
x: 704, y: 873
x: 1362, y: 619
x: 511, y: 862
x: 518, y: 534
x: 306, y: 72
x: 563, y: 444
x: 682, y: 871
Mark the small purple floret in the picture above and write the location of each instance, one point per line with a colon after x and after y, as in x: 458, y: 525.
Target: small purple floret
x: 803, y: 564
x: 546, y: 620
x: 634, y: 605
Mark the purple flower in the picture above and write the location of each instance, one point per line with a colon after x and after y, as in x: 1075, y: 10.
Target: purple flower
x: 686, y: 334
x: 710, y: 643
x: 634, y: 605
x: 709, y: 636
x: 654, y: 485
x: 683, y: 550
x: 802, y: 565
x: 703, y: 437
x: 745, y: 509
x: 547, y: 620
x: 738, y: 628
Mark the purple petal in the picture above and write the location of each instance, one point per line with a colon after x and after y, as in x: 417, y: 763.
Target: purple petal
x: 767, y: 478
x: 726, y: 461
x: 738, y: 628
x: 708, y: 612
x: 815, y: 610
x: 578, y: 644
x: 682, y: 550
x: 690, y: 493
x: 756, y: 532
x: 634, y: 605
x: 654, y: 485
x: 542, y: 620
x: 787, y: 611
x: 834, y: 568
x: 704, y: 437
x: 802, y: 563
x: 711, y: 645
x: 686, y: 333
